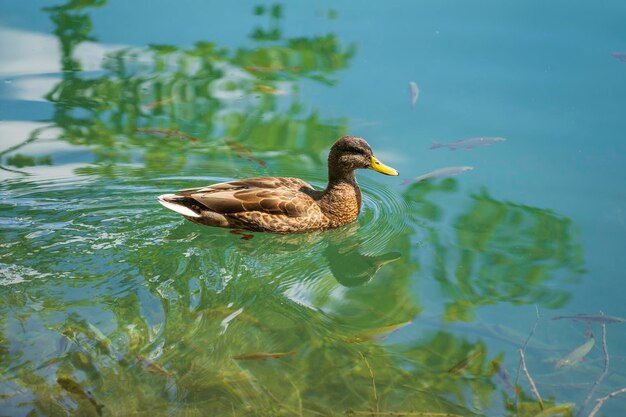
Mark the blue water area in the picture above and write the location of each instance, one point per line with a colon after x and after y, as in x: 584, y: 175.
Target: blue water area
x: 110, y: 304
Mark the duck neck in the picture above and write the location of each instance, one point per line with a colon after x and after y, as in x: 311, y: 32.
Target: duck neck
x: 342, y: 198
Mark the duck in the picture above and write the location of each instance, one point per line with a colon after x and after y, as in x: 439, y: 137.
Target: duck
x: 283, y: 205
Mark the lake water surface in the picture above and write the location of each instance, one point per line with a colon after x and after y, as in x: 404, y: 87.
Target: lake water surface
x: 112, y: 305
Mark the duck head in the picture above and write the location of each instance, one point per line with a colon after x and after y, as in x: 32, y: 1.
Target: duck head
x: 350, y: 153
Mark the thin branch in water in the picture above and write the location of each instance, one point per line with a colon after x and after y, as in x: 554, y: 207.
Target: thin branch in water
x: 292, y: 410
x: 401, y: 413
x: 166, y: 132
x: 373, y: 382
x: 16, y: 171
x: 600, y: 402
x: 34, y: 135
x: 279, y: 402
x: 297, y: 396
x: 533, y: 387
x: 604, y: 373
x: 519, y: 367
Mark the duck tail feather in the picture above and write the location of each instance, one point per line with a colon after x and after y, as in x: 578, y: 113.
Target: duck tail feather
x: 170, y: 201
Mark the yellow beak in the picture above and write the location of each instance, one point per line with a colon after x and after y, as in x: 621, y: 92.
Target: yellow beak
x: 377, y: 166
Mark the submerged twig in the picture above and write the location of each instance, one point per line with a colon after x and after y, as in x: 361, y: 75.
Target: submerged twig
x: 401, y: 413
x: 287, y: 407
x: 532, y: 332
x: 278, y: 401
x: 523, y: 349
x: 34, y: 135
x: 298, y: 397
x: 15, y: 171
x: 166, y: 132
x: 243, y: 151
x: 600, y: 402
x: 533, y: 387
x: 604, y: 373
x: 373, y: 382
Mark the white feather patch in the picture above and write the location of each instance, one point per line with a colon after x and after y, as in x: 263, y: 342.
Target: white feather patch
x: 178, y: 208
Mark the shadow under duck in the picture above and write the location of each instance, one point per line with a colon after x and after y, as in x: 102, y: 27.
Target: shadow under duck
x: 283, y: 205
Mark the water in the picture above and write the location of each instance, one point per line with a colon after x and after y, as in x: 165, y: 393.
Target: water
x: 420, y: 306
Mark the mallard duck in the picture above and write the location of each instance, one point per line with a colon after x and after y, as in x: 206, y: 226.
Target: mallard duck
x: 283, y: 205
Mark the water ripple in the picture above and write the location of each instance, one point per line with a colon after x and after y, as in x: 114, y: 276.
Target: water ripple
x: 90, y: 226
x: 383, y: 216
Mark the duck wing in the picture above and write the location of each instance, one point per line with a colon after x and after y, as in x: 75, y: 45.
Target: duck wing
x: 287, y: 196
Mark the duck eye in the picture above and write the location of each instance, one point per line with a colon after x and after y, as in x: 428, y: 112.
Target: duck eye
x: 358, y: 151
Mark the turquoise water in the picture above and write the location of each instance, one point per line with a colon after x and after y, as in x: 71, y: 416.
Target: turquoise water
x: 421, y: 306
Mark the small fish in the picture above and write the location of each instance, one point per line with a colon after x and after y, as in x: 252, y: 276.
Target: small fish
x: 415, y: 93
x: 102, y: 341
x: 158, y: 103
x: 438, y: 173
x: 619, y: 55
x: 467, y: 144
x: 73, y: 387
x: 226, y: 322
x: 465, y: 362
x: 262, y: 356
x: 380, y: 332
x: 153, y: 367
x: 223, y: 310
x: 268, y: 89
x: 589, y: 318
x: 577, y: 354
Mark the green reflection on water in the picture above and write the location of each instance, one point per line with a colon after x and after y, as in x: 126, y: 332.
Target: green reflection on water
x: 208, y: 92
x: 500, y: 252
x: 149, y: 313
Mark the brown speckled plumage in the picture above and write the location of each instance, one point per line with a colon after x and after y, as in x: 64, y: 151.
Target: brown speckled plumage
x: 283, y: 205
